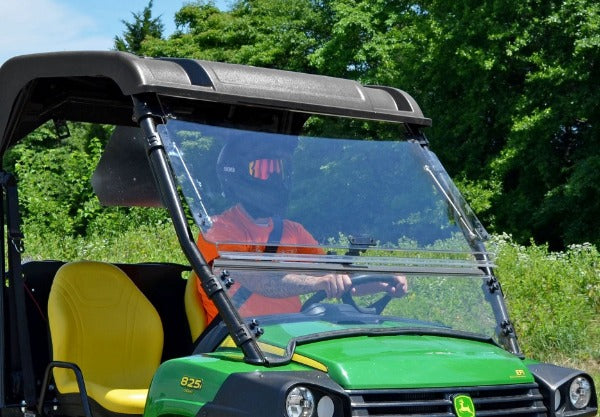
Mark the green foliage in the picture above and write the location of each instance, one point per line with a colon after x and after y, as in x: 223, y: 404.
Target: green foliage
x: 446, y: 301
x: 157, y: 243
x: 478, y: 193
x: 143, y: 27
x: 554, y: 297
x: 54, y: 178
x: 523, y: 76
x: 56, y: 194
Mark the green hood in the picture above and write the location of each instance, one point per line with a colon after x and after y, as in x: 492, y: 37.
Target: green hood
x: 415, y: 361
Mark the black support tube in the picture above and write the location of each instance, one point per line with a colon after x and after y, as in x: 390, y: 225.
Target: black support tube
x: 157, y: 157
x: 21, y: 353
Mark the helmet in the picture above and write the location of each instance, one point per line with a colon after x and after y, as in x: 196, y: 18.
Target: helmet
x: 256, y: 172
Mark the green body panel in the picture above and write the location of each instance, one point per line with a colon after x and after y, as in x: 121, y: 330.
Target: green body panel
x: 169, y: 395
x: 182, y: 386
x: 416, y: 362
x: 403, y: 361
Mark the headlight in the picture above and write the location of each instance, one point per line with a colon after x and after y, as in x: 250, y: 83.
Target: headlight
x: 300, y: 402
x: 580, y: 392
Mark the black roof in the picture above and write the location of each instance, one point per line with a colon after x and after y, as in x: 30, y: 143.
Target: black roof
x: 94, y: 86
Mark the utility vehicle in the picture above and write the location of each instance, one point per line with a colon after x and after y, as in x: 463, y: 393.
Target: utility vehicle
x: 347, y: 165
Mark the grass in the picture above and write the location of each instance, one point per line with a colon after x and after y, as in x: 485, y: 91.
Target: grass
x: 554, y: 298
x: 554, y: 301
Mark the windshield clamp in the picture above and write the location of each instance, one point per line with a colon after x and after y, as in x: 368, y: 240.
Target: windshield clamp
x: 17, y: 241
x: 227, y: 281
x: 256, y: 329
x: 420, y: 139
x: 507, y: 328
x: 493, y: 284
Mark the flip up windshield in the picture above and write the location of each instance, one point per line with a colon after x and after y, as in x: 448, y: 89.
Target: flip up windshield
x: 365, y: 194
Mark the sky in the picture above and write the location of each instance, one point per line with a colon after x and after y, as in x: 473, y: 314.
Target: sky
x: 31, y: 26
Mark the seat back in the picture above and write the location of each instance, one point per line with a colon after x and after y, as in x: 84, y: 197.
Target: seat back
x: 102, y: 322
x: 193, y: 308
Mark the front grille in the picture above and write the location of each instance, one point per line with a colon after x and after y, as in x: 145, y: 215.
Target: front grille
x: 498, y: 401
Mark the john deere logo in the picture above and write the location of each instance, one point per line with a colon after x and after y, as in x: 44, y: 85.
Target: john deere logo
x: 463, y: 406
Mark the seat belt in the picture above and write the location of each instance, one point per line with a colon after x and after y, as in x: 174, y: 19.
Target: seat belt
x: 17, y: 288
x: 243, y: 293
x: 275, y: 235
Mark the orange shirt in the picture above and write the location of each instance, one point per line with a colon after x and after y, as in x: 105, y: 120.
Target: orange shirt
x: 234, y: 225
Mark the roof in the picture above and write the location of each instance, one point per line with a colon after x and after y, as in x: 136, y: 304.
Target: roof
x: 94, y: 86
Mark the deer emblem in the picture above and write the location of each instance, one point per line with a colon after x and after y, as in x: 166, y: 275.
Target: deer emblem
x: 463, y: 406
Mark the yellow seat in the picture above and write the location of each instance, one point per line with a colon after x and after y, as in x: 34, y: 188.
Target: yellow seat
x: 193, y: 308
x: 102, y: 322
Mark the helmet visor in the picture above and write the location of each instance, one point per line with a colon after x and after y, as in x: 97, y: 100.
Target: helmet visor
x: 263, y: 169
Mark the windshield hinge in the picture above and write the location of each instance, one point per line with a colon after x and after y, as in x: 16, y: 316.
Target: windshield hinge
x: 256, y: 329
x: 227, y: 280
x: 145, y: 106
x: 420, y: 139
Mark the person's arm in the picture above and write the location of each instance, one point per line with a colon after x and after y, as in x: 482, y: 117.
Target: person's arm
x: 274, y: 285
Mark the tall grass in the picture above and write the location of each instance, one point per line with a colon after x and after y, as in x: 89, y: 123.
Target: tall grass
x: 554, y: 301
x: 553, y: 297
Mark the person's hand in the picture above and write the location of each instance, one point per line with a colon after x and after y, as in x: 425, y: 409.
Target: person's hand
x: 334, y: 284
x: 398, y: 289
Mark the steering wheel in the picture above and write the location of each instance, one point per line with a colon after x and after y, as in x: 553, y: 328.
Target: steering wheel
x: 358, y: 280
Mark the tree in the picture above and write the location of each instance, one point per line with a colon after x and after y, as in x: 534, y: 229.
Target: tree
x: 512, y: 87
x: 143, y: 26
x: 56, y: 195
x: 548, y: 167
x: 269, y: 33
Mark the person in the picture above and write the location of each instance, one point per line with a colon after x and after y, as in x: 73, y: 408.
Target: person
x: 257, y: 176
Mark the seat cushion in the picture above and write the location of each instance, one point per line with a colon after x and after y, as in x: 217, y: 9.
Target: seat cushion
x: 193, y: 308
x: 102, y: 322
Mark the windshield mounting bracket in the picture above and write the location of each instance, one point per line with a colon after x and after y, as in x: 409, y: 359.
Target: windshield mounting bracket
x: 359, y: 244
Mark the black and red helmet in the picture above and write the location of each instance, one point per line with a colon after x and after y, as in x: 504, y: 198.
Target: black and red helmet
x: 256, y: 172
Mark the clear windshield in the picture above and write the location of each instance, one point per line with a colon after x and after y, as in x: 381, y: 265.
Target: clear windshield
x: 436, y: 305
x: 334, y: 193
x: 287, y: 211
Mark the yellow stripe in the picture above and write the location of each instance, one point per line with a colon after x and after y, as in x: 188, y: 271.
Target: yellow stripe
x: 303, y: 360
